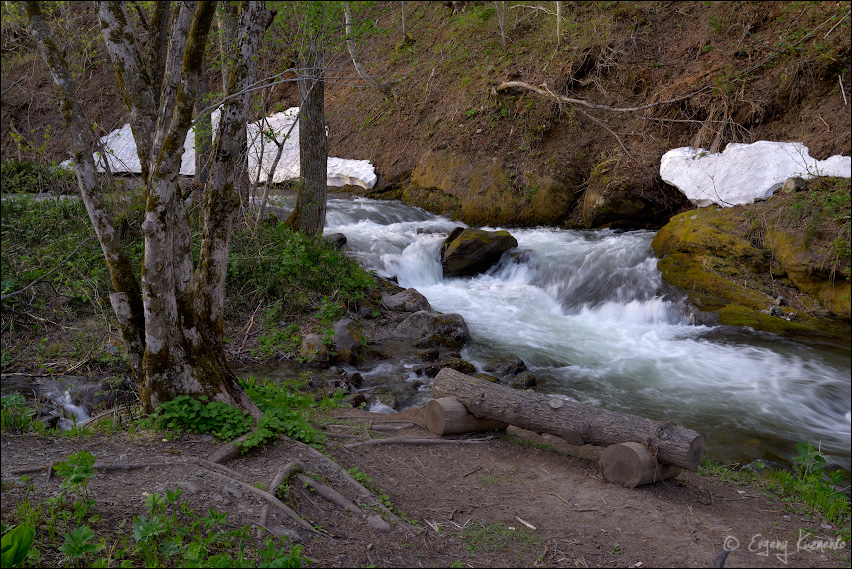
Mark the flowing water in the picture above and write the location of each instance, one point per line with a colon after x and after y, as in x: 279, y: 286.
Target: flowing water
x: 589, y: 314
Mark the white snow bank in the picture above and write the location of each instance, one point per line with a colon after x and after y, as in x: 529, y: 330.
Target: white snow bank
x: 121, y: 154
x: 744, y: 173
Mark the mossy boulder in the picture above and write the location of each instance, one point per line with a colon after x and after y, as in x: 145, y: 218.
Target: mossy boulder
x: 726, y: 260
x: 474, y: 251
x: 481, y: 190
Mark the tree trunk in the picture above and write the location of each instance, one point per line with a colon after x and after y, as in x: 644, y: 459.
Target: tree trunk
x: 350, y: 46
x: 672, y: 445
x: 203, y: 133
x: 309, y: 216
x: 176, y: 348
x: 558, y: 23
x: 158, y: 45
x: 131, y: 319
x: 632, y: 465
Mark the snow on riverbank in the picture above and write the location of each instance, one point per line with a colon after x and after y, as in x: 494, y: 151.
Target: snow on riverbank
x: 121, y: 154
x: 744, y: 173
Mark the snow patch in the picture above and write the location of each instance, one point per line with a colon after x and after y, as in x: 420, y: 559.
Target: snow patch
x: 120, y: 152
x: 744, y: 173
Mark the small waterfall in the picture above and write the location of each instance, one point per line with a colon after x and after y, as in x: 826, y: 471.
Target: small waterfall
x: 589, y: 314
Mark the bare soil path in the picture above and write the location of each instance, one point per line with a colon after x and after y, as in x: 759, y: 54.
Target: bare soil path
x: 477, y: 504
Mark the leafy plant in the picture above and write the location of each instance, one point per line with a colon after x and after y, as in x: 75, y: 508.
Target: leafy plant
x: 15, y: 544
x: 14, y: 413
x: 77, y: 471
x: 809, y: 463
x: 79, y: 544
x: 198, y: 415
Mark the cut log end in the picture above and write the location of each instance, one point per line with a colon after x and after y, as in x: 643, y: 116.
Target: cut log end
x: 446, y: 416
x: 632, y: 465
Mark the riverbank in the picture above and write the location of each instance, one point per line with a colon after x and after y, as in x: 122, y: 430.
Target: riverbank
x: 517, y: 500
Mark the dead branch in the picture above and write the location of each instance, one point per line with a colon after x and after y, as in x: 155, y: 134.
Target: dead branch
x: 562, y: 98
x: 410, y: 441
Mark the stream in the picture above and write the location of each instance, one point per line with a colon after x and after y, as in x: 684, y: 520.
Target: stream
x: 589, y: 314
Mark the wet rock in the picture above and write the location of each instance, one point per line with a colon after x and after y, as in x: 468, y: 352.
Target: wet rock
x: 522, y: 256
x: 336, y: 240
x: 386, y: 398
x: 355, y: 399
x: 408, y: 300
x: 627, y: 195
x: 524, y: 380
x: 507, y: 365
x: 427, y: 355
x: 440, y: 329
x: 313, y: 349
x: 487, y: 377
x: 348, y: 342
x: 474, y: 251
x: 356, y: 379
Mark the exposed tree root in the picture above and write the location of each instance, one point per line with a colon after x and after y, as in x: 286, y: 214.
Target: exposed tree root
x: 282, y: 475
x: 329, y: 494
x: 392, y: 428
x: 273, y: 501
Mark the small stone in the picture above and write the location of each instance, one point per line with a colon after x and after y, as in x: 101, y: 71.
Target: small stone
x: 776, y: 311
x: 780, y: 301
x: 281, y: 531
x: 233, y: 492
x: 793, y: 184
x: 479, y: 131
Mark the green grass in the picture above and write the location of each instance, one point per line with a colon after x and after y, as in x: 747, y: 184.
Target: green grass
x: 806, y: 490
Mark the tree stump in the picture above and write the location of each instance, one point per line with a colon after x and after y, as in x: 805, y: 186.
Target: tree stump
x: 446, y: 416
x: 546, y: 414
x: 632, y: 465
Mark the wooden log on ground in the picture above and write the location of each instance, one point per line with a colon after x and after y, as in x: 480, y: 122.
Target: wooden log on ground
x: 669, y: 443
x: 446, y: 416
x: 632, y: 465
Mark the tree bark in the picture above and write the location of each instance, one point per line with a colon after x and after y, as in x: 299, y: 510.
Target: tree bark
x: 203, y: 133
x: 158, y: 44
x: 632, y: 465
x: 670, y: 444
x: 80, y: 137
x: 446, y: 416
x: 309, y: 215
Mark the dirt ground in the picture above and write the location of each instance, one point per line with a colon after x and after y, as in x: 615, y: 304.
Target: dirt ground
x: 476, y: 504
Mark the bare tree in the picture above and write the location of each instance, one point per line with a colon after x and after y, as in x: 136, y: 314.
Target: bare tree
x: 172, y: 324
x: 500, y: 5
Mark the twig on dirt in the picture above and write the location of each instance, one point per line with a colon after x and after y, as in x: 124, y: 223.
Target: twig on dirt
x: 251, y: 323
x: 410, y: 441
x: 472, y: 471
x: 837, y: 24
x: 560, y: 497
x: 612, y: 132
x: 414, y: 470
x: 564, y: 99
x: 842, y: 91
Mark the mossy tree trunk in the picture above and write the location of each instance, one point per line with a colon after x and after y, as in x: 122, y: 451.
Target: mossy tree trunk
x: 313, y: 145
x: 174, y: 331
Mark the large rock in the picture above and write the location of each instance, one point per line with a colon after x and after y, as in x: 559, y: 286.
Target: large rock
x: 744, y: 173
x: 479, y: 189
x: 443, y: 329
x: 408, y: 300
x: 348, y: 342
x: 313, y: 350
x: 474, y: 251
x: 722, y: 259
x: 623, y: 195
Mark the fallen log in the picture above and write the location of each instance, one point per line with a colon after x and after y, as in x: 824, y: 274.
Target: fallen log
x: 632, y: 465
x: 446, y: 416
x: 669, y: 443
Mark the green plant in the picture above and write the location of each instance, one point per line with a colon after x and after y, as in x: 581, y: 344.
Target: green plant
x: 15, y: 544
x: 79, y: 544
x: 214, y: 417
x: 14, y: 413
x: 77, y: 471
x: 809, y: 463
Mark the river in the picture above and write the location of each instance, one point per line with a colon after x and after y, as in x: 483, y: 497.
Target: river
x: 589, y: 314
